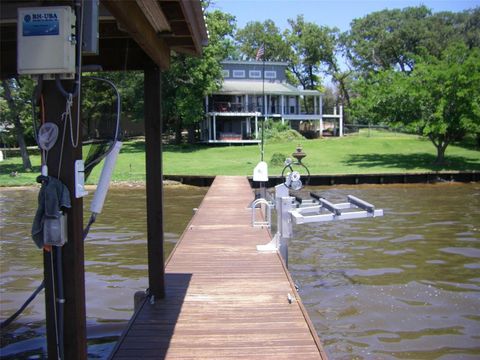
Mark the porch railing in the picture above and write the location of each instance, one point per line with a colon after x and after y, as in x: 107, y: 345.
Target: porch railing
x: 225, y: 106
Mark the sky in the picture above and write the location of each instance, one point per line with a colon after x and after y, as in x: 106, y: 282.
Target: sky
x: 332, y: 13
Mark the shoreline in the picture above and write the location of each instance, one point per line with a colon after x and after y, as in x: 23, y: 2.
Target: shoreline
x: 116, y: 184
x: 445, y: 177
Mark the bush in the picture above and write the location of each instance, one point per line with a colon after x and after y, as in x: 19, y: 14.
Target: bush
x: 275, y: 131
x: 289, y: 135
x: 278, y: 159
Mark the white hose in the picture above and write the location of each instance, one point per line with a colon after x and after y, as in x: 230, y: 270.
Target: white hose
x: 104, y: 181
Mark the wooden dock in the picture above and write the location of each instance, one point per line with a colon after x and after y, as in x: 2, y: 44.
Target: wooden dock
x: 224, y: 299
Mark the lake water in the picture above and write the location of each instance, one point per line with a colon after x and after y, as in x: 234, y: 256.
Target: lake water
x: 405, y: 286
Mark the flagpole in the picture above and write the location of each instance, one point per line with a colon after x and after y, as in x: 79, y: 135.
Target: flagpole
x: 260, y: 173
x: 264, y: 105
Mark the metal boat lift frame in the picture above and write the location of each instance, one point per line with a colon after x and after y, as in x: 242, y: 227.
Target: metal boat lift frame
x: 316, y: 210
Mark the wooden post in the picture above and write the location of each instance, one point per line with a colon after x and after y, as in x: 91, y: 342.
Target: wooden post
x: 154, y: 178
x: 75, y: 343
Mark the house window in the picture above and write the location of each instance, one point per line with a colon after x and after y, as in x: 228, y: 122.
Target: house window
x: 271, y: 74
x: 238, y: 73
x: 255, y: 74
x: 226, y: 73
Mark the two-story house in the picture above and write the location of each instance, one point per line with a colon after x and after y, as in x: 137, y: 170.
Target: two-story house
x: 252, y: 91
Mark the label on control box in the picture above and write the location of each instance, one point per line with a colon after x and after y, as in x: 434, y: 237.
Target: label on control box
x: 41, y: 24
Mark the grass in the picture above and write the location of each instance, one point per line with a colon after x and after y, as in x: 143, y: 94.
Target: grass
x: 354, y: 154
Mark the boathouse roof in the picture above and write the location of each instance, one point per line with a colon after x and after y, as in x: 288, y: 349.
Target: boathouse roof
x: 132, y: 34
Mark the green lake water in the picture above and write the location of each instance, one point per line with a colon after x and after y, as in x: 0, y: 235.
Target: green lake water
x: 403, y: 286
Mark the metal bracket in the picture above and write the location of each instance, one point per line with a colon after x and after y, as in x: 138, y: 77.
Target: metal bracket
x: 272, y: 246
x: 268, y: 213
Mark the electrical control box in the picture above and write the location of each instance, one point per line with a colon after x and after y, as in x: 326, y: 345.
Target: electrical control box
x: 46, y: 40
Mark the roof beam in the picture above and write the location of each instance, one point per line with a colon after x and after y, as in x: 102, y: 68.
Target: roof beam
x: 133, y: 20
x: 193, y: 16
x: 155, y: 15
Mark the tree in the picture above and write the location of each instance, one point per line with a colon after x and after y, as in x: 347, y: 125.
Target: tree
x: 17, y: 110
x: 99, y: 99
x: 190, y: 79
x: 256, y: 34
x: 449, y: 96
x: 441, y: 97
x: 314, y: 50
x: 397, y: 38
x: 471, y: 27
x: 310, y: 45
x: 388, y: 38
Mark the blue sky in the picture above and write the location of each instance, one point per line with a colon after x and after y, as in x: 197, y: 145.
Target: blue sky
x: 331, y: 13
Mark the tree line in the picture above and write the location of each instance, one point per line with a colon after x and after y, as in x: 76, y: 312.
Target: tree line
x: 406, y: 66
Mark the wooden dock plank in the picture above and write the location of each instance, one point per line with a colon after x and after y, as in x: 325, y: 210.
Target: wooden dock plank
x: 224, y: 299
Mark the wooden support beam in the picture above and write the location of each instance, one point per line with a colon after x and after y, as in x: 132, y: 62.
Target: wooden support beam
x: 154, y: 180
x: 75, y: 343
x: 133, y: 20
x: 194, y: 18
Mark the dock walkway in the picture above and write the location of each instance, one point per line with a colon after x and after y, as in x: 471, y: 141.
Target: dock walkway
x: 224, y: 299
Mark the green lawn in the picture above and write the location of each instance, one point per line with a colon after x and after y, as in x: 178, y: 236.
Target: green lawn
x: 354, y: 154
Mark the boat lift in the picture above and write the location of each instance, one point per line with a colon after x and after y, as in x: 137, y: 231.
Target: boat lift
x: 294, y: 210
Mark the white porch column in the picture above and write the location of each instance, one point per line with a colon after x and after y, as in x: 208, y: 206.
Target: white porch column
x: 209, y: 127
x: 341, y: 121
x: 214, y: 127
x: 314, y: 105
x: 256, y: 126
x: 206, y: 104
x: 321, y: 116
x: 246, y: 103
x: 282, y: 104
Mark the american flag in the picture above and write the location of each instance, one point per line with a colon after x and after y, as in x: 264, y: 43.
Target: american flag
x: 260, y: 52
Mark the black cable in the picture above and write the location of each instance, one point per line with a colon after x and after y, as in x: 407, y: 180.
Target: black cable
x: 37, y: 91
x: 60, y: 301
x: 25, y: 304
x: 65, y: 93
x: 93, y: 217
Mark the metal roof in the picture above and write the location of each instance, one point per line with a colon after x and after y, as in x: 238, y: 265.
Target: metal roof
x: 252, y: 62
x: 256, y: 87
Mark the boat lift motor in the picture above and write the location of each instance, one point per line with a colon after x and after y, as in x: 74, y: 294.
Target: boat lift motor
x: 293, y: 210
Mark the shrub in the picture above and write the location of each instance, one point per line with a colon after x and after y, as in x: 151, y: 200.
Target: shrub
x: 275, y: 131
x: 278, y: 159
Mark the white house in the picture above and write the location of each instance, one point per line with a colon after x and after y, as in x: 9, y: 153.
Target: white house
x: 234, y: 113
